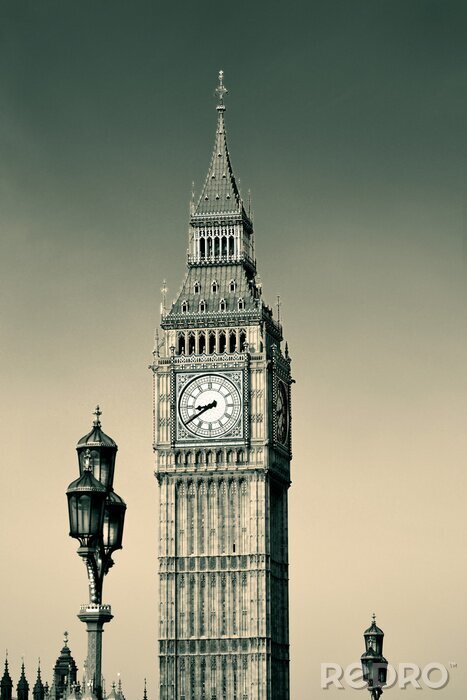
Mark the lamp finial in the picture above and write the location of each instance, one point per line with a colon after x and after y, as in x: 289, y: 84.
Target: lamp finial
x: 97, y: 413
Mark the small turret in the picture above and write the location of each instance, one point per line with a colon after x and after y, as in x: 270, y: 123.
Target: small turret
x: 65, y: 670
x: 6, y: 684
x: 38, y: 692
x: 22, y: 689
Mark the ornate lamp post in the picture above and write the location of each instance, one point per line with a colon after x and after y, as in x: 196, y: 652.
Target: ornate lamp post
x: 97, y: 516
x: 374, y: 665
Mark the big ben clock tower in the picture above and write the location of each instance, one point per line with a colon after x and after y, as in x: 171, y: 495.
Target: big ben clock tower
x: 222, y: 444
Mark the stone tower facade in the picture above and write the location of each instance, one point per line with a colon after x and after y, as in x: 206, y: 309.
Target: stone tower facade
x: 222, y: 444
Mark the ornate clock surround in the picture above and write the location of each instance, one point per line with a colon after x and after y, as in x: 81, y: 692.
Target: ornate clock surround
x: 235, y: 369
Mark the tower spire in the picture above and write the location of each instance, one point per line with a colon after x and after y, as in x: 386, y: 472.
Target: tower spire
x: 220, y: 194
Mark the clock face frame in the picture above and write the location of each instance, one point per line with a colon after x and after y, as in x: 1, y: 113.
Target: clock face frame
x: 282, y: 414
x: 209, y: 406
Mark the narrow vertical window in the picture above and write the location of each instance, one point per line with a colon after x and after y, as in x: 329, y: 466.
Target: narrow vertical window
x: 222, y: 341
x: 242, y: 340
x: 232, y: 341
x: 191, y: 343
x: 184, y: 307
x: 212, y: 342
x: 181, y: 344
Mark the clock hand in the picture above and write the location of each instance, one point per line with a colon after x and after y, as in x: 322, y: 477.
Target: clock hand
x: 202, y: 409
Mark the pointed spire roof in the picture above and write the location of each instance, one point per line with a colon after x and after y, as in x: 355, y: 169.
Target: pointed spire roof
x: 23, y: 686
x: 113, y: 693
x: 220, y: 193
x: 145, y: 694
x: 6, y: 684
x: 38, y: 691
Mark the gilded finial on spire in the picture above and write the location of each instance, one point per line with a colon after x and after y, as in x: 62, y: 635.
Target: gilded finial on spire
x: 97, y: 424
x: 221, y: 90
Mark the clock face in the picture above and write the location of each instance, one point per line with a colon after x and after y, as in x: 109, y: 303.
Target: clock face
x: 282, y: 413
x: 209, y: 406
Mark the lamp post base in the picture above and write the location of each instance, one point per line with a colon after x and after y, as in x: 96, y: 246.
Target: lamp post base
x: 95, y: 617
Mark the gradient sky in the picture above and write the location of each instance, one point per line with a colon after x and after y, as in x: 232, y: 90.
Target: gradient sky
x: 347, y: 119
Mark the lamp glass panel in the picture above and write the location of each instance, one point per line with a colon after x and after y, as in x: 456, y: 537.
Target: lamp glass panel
x: 84, y: 515
x: 73, y: 515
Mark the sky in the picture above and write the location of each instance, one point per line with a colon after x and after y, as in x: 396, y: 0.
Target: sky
x: 346, y: 119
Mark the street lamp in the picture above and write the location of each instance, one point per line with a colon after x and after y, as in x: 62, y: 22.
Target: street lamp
x: 96, y: 517
x: 374, y: 665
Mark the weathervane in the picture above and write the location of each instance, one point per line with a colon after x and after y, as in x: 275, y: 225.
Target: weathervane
x: 221, y: 90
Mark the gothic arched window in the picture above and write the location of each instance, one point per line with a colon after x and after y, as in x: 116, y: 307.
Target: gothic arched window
x: 184, y: 307
x: 222, y: 341
x: 232, y: 341
x: 191, y: 343
x: 242, y: 340
x: 201, y: 342
x: 215, y: 287
x: 181, y: 344
x: 222, y: 305
x: 202, y: 306
x: 232, y: 285
x: 241, y: 304
x: 196, y: 288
